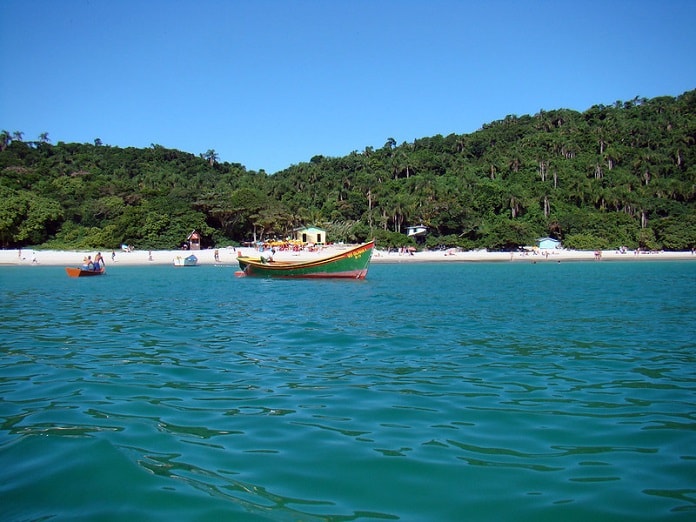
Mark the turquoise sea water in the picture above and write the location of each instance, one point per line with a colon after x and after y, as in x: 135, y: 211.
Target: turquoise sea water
x: 426, y: 392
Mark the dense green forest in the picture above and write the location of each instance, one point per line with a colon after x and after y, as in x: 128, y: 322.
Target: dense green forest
x: 623, y: 174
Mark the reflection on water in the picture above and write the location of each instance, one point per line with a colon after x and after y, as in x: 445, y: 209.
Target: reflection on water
x: 426, y: 392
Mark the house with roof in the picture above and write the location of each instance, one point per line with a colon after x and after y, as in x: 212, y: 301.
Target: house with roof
x: 547, y: 243
x: 416, y: 231
x: 310, y: 235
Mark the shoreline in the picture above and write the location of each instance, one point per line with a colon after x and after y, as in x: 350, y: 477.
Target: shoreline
x: 228, y: 256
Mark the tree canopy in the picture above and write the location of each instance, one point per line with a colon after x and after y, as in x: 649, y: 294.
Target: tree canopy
x: 623, y: 174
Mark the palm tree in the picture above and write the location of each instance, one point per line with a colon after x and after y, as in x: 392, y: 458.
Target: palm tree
x: 43, y: 137
x: 5, y: 140
x: 315, y: 217
x: 211, y: 156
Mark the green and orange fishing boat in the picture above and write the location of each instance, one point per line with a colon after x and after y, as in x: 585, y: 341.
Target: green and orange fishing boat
x: 351, y: 264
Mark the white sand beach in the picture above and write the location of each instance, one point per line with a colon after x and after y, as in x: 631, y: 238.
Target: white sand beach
x: 227, y: 256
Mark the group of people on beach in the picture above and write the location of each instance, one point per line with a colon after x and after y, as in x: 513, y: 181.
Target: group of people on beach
x: 96, y: 264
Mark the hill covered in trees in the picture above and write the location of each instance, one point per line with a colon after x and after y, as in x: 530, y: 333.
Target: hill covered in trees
x: 623, y: 174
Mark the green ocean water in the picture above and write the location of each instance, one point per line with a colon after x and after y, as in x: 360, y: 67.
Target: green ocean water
x: 510, y: 391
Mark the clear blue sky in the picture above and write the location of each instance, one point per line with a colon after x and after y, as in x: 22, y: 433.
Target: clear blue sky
x: 270, y: 83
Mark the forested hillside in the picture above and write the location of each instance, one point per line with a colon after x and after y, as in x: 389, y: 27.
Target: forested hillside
x: 614, y: 175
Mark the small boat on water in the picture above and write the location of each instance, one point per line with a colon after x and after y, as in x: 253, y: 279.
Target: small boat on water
x: 84, y: 272
x: 186, y: 261
x: 350, y: 264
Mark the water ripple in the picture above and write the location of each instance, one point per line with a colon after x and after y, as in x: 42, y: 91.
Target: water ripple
x: 422, y: 393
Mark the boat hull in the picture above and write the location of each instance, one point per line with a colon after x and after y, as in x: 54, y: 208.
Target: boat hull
x: 352, y: 264
x: 82, y: 272
x: 186, y: 261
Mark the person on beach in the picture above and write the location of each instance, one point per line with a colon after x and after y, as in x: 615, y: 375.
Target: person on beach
x: 113, y: 256
x: 217, y: 255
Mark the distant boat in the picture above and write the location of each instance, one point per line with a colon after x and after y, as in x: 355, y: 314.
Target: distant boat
x: 350, y: 264
x: 84, y: 272
x: 186, y: 261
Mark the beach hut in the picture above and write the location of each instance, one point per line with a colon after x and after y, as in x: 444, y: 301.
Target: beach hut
x: 546, y: 243
x: 416, y: 231
x: 194, y: 240
x: 310, y: 235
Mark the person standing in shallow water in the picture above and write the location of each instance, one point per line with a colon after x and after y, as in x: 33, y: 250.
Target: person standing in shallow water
x: 98, y: 261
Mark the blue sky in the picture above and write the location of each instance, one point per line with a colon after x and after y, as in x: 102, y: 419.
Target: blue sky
x: 270, y: 83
